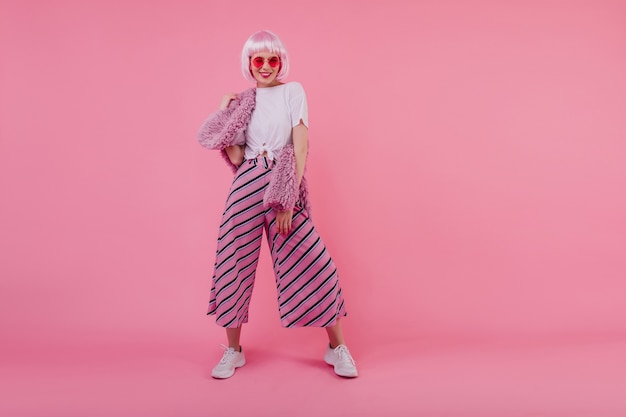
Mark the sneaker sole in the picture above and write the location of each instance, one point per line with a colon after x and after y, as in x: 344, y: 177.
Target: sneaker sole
x: 335, y: 369
x: 228, y: 375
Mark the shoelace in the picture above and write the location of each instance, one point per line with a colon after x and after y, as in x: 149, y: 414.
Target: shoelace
x: 228, y: 354
x: 344, y: 354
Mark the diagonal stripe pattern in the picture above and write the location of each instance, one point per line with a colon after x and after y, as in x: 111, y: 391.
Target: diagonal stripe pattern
x: 306, y: 277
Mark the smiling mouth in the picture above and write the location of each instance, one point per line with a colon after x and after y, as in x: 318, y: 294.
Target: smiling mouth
x: 265, y: 74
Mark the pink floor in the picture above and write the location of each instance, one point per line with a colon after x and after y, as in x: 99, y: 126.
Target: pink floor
x: 428, y: 377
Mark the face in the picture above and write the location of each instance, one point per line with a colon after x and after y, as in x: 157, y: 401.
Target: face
x: 264, y: 67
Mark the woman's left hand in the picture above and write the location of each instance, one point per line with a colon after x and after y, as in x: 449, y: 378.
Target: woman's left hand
x: 283, y: 221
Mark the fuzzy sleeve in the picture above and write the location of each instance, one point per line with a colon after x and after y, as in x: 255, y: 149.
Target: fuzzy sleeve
x: 211, y: 133
x: 225, y: 127
x: 282, y: 191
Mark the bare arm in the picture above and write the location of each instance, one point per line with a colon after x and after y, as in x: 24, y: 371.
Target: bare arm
x: 235, y: 154
x: 300, y: 134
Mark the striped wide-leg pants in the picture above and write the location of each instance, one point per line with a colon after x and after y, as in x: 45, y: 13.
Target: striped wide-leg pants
x: 306, y: 278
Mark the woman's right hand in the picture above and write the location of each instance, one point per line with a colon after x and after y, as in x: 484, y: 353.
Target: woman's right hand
x: 226, y: 100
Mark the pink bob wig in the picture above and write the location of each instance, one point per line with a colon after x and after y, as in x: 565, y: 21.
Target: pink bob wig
x: 264, y: 41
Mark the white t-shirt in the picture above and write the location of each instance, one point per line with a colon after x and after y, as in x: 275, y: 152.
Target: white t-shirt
x: 277, y: 110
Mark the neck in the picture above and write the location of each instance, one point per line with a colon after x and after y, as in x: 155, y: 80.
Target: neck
x: 272, y: 84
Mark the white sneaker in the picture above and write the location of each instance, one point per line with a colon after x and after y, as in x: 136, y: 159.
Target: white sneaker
x: 230, y: 361
x: 341, y: 359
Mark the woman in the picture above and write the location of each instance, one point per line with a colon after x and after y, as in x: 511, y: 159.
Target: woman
x: 262, y: 134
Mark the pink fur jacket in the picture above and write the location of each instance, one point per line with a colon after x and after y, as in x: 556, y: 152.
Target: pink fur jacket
x: 227, y: 127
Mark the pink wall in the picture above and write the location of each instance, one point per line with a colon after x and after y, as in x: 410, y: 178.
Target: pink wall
x: 467, y: 164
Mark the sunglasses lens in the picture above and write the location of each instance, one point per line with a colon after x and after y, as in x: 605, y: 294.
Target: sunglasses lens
x: 258, y: 62
x: 273, y: 61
